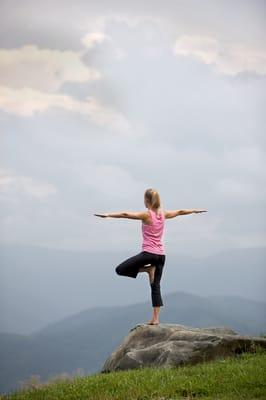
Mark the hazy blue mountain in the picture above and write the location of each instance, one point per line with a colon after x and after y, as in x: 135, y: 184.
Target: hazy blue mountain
x: 84, y: 340
x: 39, y: 286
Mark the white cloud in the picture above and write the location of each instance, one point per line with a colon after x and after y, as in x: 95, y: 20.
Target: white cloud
x: 227, y: 57
x: 100, y: 22
x: 26, y: 102
x: 11, y: 184
x: 147, y: 30
x: 42, y: 69
x: 93, y: 38
x: 32, y: 76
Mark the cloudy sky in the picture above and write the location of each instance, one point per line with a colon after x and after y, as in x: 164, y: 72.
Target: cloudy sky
x: 101, y: 100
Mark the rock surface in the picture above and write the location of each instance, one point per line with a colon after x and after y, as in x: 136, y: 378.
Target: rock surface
x: 172, y: 345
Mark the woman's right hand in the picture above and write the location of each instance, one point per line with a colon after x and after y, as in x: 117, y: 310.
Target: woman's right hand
x: 101, y: 215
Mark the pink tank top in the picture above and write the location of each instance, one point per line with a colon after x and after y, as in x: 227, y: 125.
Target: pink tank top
x: 152, y: 233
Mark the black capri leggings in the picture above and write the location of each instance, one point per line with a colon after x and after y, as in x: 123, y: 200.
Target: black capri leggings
x: 131, y: 266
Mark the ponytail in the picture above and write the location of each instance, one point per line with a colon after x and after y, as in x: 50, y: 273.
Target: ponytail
x: 153, y: 198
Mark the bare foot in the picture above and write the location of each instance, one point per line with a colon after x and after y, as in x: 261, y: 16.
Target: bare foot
x: 153, y: 322
x: 145, y: 268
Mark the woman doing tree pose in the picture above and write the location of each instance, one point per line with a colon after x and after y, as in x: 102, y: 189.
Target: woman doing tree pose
x: 152, y: 257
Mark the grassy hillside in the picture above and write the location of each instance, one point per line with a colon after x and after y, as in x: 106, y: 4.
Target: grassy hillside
x: 240, y: 377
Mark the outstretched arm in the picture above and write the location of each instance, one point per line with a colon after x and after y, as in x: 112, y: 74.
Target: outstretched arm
x: 126, y: 214
x: 175, y: 213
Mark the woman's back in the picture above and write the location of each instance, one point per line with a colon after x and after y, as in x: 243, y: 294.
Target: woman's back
x: 152, y: 233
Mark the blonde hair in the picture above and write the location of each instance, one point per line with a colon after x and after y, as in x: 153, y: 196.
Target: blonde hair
x: 153, y: 198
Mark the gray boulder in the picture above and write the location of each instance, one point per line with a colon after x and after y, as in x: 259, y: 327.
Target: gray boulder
x: 171, y: 345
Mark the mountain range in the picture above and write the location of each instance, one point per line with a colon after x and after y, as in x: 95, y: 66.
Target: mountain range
x: 39, y: 286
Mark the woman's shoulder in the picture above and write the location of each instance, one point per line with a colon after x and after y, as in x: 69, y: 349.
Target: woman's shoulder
x: 147, y: 220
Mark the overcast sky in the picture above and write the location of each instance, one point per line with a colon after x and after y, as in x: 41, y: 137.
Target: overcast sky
x: 101, y: 100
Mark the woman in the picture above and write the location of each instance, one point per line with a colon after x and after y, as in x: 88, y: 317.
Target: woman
x: 152, y: 257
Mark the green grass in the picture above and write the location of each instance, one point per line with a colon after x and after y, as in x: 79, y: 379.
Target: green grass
x: 240, y: 377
